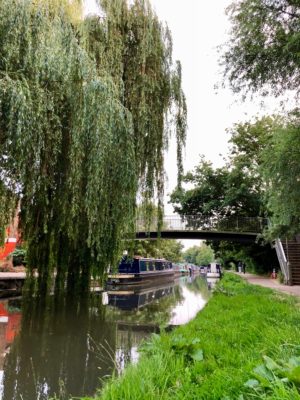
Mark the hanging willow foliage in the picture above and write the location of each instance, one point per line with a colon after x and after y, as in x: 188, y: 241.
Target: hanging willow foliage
x: 85, y: 109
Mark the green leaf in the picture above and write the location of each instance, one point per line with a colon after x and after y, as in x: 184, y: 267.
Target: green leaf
x: 271, y: 364
x: 294, y: 361
x: 252, y: 383
x: 197, y: 355
x: 264, y: 376
x: 294, y: 375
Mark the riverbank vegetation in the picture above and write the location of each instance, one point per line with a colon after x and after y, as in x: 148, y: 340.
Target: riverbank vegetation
x: 243, y: 345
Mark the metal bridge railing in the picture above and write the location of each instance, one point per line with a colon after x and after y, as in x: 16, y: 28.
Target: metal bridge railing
x: 199, y: 223
x: 283, y: 262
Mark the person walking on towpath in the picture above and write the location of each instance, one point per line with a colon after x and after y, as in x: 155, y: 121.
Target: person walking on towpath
x: 244, y: 267
x: 240, y: 266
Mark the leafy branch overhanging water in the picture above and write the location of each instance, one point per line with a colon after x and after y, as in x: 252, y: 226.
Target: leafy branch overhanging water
x: 87, y: 106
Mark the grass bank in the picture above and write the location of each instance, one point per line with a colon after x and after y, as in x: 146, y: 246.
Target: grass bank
x: 245, y: 344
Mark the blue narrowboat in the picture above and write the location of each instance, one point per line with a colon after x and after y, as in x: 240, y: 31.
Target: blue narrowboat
x: 137, y: 297
x: 139, y: 270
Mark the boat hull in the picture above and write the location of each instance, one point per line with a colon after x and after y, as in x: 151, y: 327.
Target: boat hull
x: 213, y: 275
x: 139, y: 278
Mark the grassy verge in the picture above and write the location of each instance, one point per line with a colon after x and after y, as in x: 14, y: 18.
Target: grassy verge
x: 245, y: 344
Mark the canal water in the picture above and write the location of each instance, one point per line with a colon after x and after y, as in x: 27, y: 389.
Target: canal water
x: 68, y: 347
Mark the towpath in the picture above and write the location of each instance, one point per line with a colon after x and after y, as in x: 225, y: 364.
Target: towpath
x: 270, y: 283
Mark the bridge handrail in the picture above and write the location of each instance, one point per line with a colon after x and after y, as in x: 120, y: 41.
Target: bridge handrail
x: 200, y: 223
x: 284, y: 264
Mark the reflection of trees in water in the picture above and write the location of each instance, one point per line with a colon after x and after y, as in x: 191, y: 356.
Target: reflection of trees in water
x: 57, y: 344
x: 199, y: 286
x: 155, y: 313
x: 67, y: 344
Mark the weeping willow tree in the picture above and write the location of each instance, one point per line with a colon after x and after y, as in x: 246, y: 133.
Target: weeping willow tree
x: 148, y: 85
x: 86, y: 110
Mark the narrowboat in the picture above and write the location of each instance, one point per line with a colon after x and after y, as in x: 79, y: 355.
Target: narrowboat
x: 139, y: 270
x: 129, y: 298
x: 214, y: 271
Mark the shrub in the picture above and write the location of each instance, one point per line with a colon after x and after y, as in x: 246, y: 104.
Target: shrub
x: 18, y: 257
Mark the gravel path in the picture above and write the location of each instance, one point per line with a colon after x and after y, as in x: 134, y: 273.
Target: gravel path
x: 270, y: 283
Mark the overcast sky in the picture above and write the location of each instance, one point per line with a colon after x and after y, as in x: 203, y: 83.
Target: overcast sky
x: 198, y: 28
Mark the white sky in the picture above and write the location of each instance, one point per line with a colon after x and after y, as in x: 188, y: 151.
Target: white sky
x: 198, y: 27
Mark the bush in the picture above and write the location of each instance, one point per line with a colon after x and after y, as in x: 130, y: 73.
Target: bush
x: 18, y: 257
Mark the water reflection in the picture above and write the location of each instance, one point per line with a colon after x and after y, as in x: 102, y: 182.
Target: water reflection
x: 64, y: 346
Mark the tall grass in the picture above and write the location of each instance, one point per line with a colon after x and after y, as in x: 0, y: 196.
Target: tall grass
x: 223, y: 353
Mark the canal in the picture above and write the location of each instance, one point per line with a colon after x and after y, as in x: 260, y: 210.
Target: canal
x: 68, y: 347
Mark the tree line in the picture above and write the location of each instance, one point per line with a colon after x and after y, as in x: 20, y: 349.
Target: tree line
x: 261, y: 175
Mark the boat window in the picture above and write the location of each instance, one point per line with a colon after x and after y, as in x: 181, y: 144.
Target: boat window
x: 157, y: 265
x: 143, y: 266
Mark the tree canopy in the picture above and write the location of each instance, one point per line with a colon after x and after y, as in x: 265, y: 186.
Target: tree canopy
x: 199, y: 255
x: 263, y: 50
x: 164, y: 248
x: 281, y: 172
x: 86, y: 108
x: 262, y: 55
x: 236, y: 188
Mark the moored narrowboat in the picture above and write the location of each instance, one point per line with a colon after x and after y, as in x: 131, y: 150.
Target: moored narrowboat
x: 139, y: 270
x: 128, y: 298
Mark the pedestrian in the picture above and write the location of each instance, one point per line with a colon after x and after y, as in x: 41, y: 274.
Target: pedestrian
x: 240, y: 266
x: 244, y: 267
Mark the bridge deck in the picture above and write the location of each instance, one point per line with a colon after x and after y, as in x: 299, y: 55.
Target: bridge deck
x: 205, y: 235
x: 233, y: 228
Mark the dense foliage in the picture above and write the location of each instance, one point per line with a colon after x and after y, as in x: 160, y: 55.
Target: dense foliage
x: 281, y: 172
x: 166, y: 248
x: 263, y: 50
x: 217, y: 192
x: 199, y: 255
x: 85, y: 108
x: 236, y: 189
x: 262, y: 55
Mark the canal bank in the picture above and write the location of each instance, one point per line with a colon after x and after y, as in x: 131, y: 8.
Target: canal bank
x: 226, y: 352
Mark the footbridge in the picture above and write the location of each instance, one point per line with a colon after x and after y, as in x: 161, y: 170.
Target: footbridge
x: 240, y: 229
